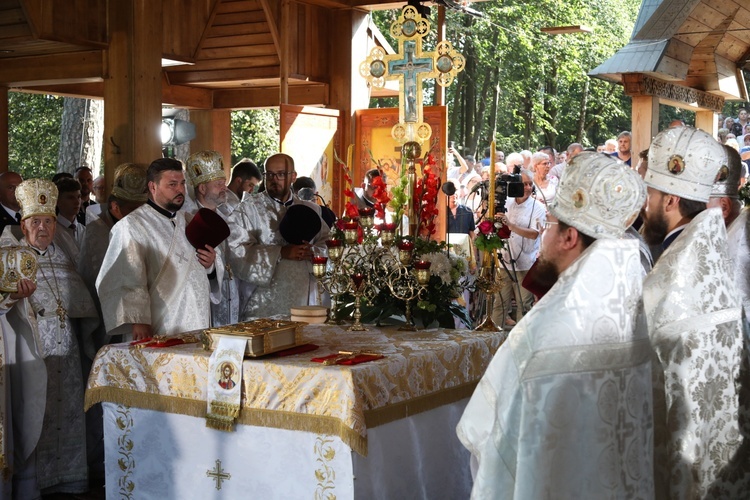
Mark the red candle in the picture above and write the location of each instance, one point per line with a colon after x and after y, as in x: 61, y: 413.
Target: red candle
x: 352, y: 224
x: 358, y: 278
x: 422, y: 264
x: 332, y: 243
x: 366, y: 212
x: 386, y: 226
x: 319, y: 259
x: 406, y: 245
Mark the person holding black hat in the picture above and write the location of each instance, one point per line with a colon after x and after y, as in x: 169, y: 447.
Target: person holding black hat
x: 273, y: 237
x: 205, y: 170
x: 153, y: 281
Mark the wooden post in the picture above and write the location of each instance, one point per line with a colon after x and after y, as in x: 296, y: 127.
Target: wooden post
x: 213, y: 130
x: 4, y: 129
x: 286, y: 50
x: 706, y: 121
x: 645, y: 122
x: 132, y: 86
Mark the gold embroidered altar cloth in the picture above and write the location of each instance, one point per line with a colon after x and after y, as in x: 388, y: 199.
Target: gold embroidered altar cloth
x: 420, y: 371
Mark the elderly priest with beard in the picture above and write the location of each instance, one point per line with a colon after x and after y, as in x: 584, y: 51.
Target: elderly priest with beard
x: 564, y: 409
x: 152, y: 281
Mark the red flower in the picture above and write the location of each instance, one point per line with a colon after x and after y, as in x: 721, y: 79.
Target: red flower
x: 486, y: 227
x: 351, y: 210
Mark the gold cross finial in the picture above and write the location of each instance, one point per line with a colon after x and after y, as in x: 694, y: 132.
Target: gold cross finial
x: 411, y: 66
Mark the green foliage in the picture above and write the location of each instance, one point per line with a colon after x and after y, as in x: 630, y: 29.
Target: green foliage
x: 34, y: 134
x: 529, y: 87
x: 255, y: 134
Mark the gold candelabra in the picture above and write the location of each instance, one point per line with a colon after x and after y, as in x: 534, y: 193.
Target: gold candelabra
x: 487, y: 283
x: 367, y: 262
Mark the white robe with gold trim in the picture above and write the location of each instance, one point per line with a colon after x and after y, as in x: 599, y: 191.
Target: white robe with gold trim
x: 151, y: 275
x: 564, y: 409
x: 61, y: 451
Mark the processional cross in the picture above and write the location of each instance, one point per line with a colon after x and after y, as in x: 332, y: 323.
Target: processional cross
x: 411, y: 67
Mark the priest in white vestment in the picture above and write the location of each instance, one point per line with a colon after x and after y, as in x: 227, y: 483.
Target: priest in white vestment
x: 152, y: 281
x: 23, y: 380
x: 693, y: 312
x: 205, y: 170
x: 64, y: 312
x: 261, y: 256
x: 564, y: 409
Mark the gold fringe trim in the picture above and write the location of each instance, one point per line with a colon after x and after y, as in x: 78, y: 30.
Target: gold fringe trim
x: 225, y: 410
x: 317, y: 424
x: 220, y: 423
x: 390, y: 413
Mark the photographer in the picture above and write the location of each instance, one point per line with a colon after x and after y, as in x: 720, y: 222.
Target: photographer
x: 523, y: 216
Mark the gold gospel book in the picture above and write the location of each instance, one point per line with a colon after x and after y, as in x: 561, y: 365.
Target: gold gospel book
x: 264, y: 336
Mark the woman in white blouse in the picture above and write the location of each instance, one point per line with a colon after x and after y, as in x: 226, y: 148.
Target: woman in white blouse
x: 545, y: 185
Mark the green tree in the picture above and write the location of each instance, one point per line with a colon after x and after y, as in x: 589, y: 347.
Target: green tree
x: 34, y: 134
x: 255, y: 134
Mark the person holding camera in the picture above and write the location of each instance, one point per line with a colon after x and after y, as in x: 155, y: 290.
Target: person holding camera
x: 523, y: 217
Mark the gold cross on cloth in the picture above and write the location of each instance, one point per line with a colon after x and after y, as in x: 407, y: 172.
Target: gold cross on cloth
x: 218, y: 474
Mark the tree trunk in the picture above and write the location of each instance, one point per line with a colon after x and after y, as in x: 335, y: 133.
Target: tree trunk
x: 582, y: 116
x: 550, y: 107
x: 81, y: 135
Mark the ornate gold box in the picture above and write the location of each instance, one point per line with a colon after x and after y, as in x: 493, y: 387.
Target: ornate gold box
x: 264, y: 336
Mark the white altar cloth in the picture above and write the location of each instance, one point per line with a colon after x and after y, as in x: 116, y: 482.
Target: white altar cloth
x: 150, y: 454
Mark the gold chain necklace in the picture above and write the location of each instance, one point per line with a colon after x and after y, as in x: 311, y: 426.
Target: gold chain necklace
x: 61, y: 311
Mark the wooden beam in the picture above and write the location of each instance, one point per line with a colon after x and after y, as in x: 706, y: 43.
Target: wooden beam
x: 272, y: 25
x: 266, y: 97
x: 213, y: 131
x: 645, y: 119
x: 286, y: 32
x: 133, y: 87
x: 637, y: 85
x: 185, y: 97
x: 706, y: 121
x: 68, y: 67
x: 4, y: 129
x: 219, y: 76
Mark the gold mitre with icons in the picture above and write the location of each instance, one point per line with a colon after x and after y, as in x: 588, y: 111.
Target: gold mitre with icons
x: 205, y: 166
x: 37, y: 197
x: 130, y: 183
x: 16, y: 263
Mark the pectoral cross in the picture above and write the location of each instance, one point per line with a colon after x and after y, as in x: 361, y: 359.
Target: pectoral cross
x: 182, y: 257
x: 61, y: 313
x: 218, y: 474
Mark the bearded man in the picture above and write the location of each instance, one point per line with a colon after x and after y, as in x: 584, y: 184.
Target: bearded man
x: 564, y: 409
x: 152, y: 281
x: 205, y: 170
x: 261, y: 256
x: 693, y: 312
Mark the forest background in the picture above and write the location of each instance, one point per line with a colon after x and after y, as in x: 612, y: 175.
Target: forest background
x: 528, y: 88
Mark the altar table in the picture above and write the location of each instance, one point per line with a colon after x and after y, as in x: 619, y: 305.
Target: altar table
x: 381, y: 429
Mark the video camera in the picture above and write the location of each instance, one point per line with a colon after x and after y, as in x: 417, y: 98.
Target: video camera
x: 506, y: 186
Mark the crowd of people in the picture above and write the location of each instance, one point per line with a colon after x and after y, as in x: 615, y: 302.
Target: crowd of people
x: 590, y: 336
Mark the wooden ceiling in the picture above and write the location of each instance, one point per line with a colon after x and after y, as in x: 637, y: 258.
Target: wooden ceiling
x: 232, y: 49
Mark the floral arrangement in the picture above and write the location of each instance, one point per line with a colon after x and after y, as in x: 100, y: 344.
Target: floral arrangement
x: 442, y: 300
x: 426, y: 196
x: 491, y: 236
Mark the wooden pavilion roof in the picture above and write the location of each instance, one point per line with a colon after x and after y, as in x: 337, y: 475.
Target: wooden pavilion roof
x: 698, y: 44
x: 230, y: 49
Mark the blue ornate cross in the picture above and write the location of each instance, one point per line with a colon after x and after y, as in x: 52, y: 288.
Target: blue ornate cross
x: 410, y: 67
